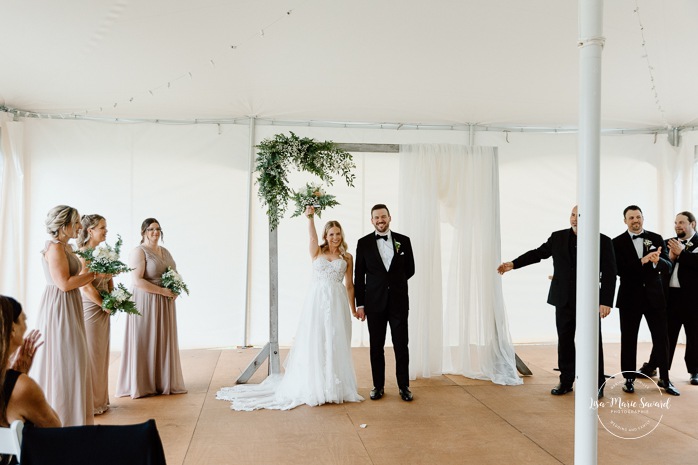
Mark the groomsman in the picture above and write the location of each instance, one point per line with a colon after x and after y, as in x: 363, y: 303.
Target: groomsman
x: 562, y: 246
x: 642, y: 261
x: 384, y: 263
x: 682, y: 300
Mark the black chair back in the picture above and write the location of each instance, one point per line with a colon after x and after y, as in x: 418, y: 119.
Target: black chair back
x: 93, y: 445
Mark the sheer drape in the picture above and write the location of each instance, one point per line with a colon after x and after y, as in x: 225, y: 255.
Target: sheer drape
x: 12, y: 207
x: 449, y: 200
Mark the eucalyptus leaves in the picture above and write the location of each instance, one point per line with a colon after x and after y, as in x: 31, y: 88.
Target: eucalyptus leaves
x: 277, y: 155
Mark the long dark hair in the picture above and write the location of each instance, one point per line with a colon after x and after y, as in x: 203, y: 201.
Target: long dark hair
x: 7, y: 310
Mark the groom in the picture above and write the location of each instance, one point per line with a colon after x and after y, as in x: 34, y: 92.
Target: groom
x: 384, y: 263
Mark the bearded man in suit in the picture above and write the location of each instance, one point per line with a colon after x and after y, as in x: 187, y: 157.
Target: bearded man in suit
x: 682, y: 299
x: 643, y: 263
x: 384, y: 263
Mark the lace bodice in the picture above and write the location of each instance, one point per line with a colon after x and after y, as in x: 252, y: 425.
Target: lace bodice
x: 325, y: 270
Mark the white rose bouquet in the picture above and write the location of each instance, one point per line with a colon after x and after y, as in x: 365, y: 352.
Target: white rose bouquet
x: 312, y: 195
x: 119, y: 300
x: 173, y: 281
x: 104, y: 258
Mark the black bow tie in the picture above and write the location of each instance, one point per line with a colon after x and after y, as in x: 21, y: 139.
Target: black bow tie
x: 635, y: 236
x: 379, y: 237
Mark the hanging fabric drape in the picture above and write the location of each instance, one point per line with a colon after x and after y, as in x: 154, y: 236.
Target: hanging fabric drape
x: 12, y: 207
x: 449, y: 198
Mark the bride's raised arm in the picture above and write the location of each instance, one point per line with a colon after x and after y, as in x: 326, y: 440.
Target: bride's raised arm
x: 312, y: 233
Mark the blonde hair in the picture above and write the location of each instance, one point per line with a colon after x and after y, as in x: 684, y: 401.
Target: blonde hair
x: 59, y: 217
x: 88, y: 222
x: 324, y: 246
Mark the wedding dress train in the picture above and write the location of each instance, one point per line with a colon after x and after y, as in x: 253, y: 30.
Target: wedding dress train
x: 319, y: 368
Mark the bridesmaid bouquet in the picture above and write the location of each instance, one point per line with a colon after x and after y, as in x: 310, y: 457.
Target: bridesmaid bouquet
x: 173, y: 281
x: 312, y: 195
x: 104, y: 258
x: 119, y: 300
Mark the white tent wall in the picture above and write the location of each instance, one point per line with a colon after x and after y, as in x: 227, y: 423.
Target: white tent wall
x: 193, y: 178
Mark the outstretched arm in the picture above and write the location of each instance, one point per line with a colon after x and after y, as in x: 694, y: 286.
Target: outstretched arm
x: 312, y: 233
x: 529, y: 258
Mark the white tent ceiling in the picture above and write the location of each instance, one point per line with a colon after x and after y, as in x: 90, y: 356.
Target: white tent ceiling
x: 495, y: 62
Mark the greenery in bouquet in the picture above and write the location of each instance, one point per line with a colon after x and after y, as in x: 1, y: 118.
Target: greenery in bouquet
x: 119, y: 300
x: 312, y: 195
x: 277, y: 155
x: 173, y: 281
x: 104, y: 258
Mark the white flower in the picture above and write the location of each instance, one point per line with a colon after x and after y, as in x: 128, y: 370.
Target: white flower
x: 119, y: 294
x: 647, y: 242
x: 113, y: 256
x: 95, y: 253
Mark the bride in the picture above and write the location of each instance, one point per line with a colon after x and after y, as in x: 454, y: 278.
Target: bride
x: 319, y: 368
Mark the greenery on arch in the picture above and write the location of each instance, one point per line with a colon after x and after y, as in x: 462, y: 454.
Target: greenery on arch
x: 275, y: 157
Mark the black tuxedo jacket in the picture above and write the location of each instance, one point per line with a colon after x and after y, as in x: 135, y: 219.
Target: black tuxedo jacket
x: 564, y: 283
x: 378, y: 289
x: 688, y: 271
x: 641, y: 285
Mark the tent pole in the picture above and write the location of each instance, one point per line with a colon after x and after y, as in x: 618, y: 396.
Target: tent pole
x: 250, y: 200
x: 588, y: 169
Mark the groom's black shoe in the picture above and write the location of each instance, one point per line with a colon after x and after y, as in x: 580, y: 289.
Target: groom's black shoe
x: 405, y: 394
x: 376, y: 393
x: 561, y: 389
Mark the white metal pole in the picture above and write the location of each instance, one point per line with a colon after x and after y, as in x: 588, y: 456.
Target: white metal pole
x: 587, y: 341
x: 250, y: 200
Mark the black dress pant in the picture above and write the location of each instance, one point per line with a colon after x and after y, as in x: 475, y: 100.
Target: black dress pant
x: 377, y: 329
x: 630, y: 325
x: 566, y: 322
x: 682, y: 309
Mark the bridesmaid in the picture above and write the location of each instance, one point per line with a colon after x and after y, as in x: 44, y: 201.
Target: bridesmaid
x: 94, y: 232
x: 62, y: 369
x: 150, y: 363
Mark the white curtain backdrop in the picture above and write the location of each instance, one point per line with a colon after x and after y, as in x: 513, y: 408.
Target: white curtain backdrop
x: 194, y: 180
x: 449, y: 197
x: 12, y: 207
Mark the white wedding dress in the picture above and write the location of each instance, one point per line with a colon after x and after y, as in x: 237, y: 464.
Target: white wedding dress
x: 319, y: 368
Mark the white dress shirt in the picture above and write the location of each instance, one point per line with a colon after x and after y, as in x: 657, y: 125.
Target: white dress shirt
x: 385, y: 249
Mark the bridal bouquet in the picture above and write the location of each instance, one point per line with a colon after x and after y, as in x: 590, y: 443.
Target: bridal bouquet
x: 104, y: 258
x: 312, y: 195
x: 119, y: 300
x: 173, y: 281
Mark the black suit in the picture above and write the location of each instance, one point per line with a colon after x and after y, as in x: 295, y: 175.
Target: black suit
x: 563, y: 292
x: 641, y: 292
x: 383, y: 294
x: 682, y: 303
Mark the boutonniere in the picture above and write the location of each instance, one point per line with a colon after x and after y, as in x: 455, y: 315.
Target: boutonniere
x: 647, y: 242
x: 397, y: 246
x: 689, y: 244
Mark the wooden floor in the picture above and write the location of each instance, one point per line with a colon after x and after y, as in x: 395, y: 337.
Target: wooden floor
x: 453, y: 420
